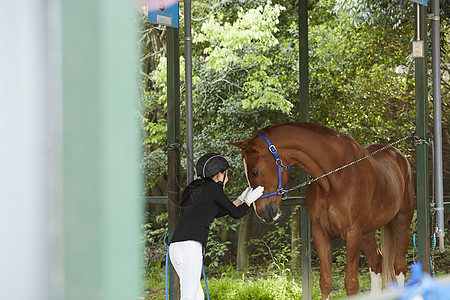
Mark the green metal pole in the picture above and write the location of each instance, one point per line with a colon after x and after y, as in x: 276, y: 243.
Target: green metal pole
x: 303, y: 60
x: 101, y: 182
x: 173, y: 139
x: 305, y: 222
x: 422, y: 180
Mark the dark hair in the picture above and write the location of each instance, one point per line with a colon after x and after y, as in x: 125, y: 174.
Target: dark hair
x: 190, y: 191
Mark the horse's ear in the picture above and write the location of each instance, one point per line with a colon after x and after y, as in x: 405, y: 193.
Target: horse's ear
x: 244, y: 145
x: 238, y: 144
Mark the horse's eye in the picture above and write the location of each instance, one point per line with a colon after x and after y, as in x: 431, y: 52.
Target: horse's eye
x: 254, y: 174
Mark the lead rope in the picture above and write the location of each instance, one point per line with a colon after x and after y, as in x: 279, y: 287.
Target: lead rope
x: 167, y: 266
x: 433, y: 212
x: 348, y: 165
x: 204, y: 278
x: 433, y: 246
x: 179, y: 146
x: 167, y: 271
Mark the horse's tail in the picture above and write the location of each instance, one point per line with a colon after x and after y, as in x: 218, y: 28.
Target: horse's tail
x: 388, y: 254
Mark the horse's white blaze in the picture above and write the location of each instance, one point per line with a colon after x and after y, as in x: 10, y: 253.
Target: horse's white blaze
x: 400, y: 279
x: 246, y: 176
x: 375, y: 282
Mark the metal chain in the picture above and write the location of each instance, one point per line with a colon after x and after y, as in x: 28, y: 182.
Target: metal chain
x: 347, y: 165
x: 433, y: 216
x: 419, y: 141
x: 173, y: 146
x: 179, y: 146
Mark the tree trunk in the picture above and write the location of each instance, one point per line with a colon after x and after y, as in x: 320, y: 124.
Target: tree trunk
x: 224, y: 231
x: 295, y: 239
x: 244, y: 236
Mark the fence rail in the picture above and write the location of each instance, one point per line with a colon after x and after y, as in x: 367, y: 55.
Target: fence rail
x: 294, y: 200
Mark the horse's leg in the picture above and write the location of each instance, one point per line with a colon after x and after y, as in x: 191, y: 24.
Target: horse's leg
x: 322, y: 241
x: 401, y: 233
x: 353, y: 242
x: 401, y: 230
x: 373, y: 254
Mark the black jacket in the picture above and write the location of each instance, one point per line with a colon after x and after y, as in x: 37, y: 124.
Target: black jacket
x: 204, y: 200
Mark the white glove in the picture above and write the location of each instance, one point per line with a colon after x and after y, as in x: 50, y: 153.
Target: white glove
x: 244, y: 194
x: 254, y: 194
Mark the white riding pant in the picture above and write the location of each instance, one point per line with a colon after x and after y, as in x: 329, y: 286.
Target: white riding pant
x: 187, y: 259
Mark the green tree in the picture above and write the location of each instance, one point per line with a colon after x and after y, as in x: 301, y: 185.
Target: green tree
x: 245, y: 76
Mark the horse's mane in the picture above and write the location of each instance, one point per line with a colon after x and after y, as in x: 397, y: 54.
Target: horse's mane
x: 319, y: 128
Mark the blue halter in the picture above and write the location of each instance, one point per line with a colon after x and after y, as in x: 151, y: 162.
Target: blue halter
x: 279, y: 163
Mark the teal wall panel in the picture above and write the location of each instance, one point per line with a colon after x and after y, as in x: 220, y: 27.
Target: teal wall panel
x: 101, y: 184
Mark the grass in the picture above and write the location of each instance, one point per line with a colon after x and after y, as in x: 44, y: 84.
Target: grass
x: 228, y: 283
x: 272, y: 279
x: 155, y: 283
x: 269, y: 288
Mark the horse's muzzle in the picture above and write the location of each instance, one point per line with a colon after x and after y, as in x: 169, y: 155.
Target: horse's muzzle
x: 270, y: 213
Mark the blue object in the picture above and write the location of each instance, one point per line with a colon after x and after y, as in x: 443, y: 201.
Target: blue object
x: 167, y: 267
x: 206, y: 283
x: 434, y: 247
x: 279, y: 163
x: 167, y: 16
x: 421, y: 2
x: 422, y: 284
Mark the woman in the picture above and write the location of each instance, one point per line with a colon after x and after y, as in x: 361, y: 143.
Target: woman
x: 203, y: 200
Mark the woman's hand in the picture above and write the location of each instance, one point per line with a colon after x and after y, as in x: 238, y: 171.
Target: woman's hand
x: 254, y: 195
x: 244, y: 194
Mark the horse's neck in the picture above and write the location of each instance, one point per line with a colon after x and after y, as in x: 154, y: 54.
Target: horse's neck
x: 316, y: 152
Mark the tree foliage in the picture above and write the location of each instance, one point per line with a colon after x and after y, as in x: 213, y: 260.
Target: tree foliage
x: 245, y: 74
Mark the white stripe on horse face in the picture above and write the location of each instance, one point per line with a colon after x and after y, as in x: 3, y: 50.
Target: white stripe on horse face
x: 246, y: 176
x: 245, y: 170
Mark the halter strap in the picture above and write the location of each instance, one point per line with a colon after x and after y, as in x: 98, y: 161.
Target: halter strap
x: 279, y: 163
x: 274, y: 152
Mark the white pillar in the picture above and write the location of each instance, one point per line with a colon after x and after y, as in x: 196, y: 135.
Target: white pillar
x: 25, y: 151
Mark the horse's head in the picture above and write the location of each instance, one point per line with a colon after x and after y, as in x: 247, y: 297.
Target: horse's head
x: 261, y: 169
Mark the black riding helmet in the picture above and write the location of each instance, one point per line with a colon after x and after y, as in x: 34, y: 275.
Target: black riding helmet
x: 210, y: 164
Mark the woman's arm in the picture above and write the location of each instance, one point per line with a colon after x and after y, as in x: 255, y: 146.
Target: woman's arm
x: 238, y: 202
x: 234, y: 208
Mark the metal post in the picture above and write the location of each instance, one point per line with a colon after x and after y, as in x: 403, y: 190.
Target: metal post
x: 188, y: 91
x: 304, y: 116
x: 422, y: 185
x: 306, y: 252
x: 304, y: 60
x: 173, y: 139
x: 437, y: 146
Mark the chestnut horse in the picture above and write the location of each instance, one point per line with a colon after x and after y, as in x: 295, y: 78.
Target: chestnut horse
x: 350, y: 204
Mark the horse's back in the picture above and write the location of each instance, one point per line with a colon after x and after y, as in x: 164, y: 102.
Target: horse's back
x: 394, y: 167
x: 390, y: 158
